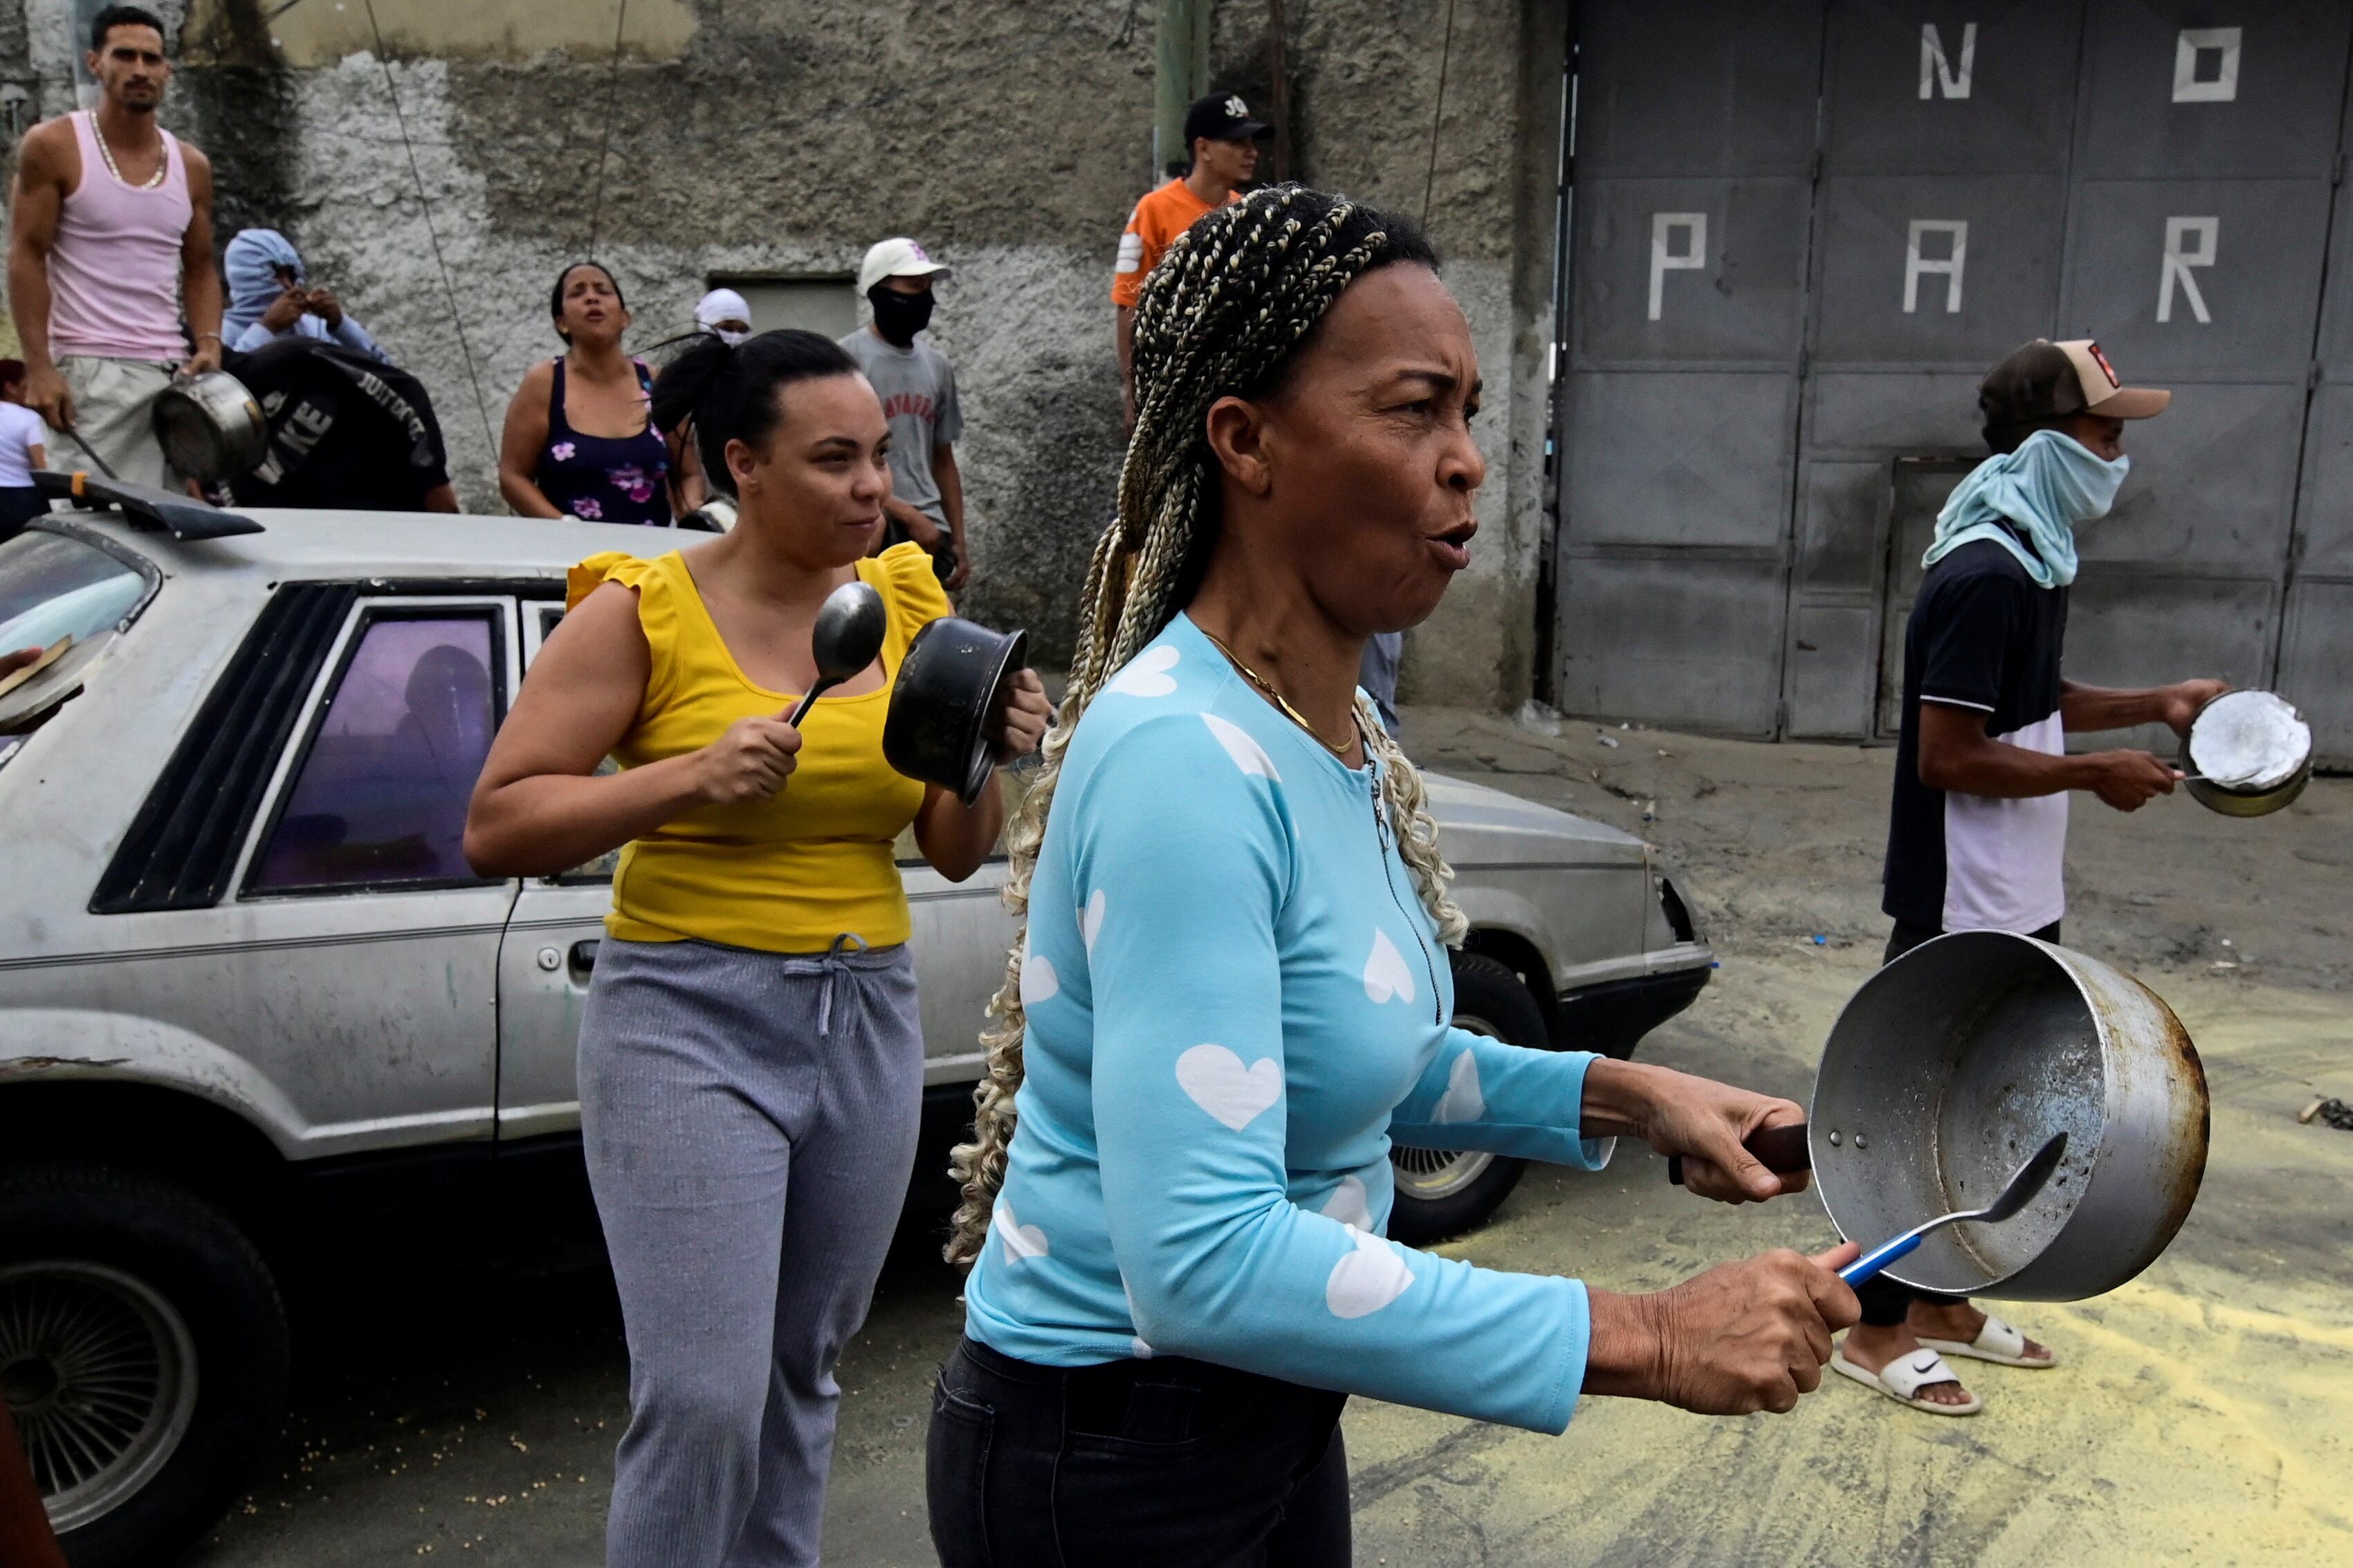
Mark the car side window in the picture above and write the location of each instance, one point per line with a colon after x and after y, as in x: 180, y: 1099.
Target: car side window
x: 378, y: 798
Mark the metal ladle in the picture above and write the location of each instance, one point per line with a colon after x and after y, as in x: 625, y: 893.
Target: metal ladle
x: 850, y: 625
x: 2015, y: 1195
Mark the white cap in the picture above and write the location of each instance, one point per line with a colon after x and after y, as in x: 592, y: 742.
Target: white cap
x: 899, y: 257
x: 721, y: 305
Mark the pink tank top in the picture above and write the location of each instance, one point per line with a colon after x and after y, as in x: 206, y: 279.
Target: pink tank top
x: 114, y: 270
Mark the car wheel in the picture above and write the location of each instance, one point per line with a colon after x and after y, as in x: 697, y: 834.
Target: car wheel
x: 143, y: 1353
x: 1440, y: 1192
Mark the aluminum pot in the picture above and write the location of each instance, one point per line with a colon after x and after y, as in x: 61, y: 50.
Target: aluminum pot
x: 210, y: 428
x: 2234, y: 800
x: 1954, y: 1063
x: 951, y: 678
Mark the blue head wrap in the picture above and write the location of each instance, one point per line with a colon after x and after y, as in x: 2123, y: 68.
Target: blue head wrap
x: 2043, y: 490
x: 250, y: 265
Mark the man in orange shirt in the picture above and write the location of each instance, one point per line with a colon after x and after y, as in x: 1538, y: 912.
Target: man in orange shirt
x: 1223, y: 141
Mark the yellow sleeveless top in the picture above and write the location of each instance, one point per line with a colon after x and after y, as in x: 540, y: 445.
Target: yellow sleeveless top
x: 790, y: 873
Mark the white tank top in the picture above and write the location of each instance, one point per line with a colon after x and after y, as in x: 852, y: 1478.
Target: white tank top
x: 114, y: 270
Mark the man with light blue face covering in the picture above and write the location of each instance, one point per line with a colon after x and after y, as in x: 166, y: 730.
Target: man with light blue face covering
x: 1977, y: 836
x: 269, y: 298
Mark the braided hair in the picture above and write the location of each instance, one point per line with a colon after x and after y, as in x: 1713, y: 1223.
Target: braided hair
x: 1225, y: 314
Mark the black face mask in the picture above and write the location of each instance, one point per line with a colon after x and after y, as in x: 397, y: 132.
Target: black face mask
x: 899, y: 317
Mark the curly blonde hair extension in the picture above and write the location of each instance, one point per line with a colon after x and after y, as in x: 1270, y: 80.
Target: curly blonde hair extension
x: 1222, y: 315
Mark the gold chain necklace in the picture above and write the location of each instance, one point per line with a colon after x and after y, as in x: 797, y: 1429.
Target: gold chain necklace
x: 107, y: 152
x: 1263, y: 684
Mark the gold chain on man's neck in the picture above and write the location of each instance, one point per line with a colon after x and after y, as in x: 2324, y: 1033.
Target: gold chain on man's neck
x: 1263, y: 684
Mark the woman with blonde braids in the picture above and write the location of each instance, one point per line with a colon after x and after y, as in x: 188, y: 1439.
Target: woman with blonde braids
x: 1230, y: 995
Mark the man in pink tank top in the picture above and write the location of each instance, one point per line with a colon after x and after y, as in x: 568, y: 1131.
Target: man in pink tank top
x: 111, y: 271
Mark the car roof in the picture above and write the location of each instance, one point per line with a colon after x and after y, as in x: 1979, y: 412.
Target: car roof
x: 304, y: 543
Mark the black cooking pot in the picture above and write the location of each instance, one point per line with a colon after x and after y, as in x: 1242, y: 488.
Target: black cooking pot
x: 952, y: 677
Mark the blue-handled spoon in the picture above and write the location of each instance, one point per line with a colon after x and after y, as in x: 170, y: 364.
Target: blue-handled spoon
x: 2015, y: 1196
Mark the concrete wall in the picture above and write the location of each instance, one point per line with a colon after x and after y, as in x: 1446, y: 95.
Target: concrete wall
x: 438, y: 161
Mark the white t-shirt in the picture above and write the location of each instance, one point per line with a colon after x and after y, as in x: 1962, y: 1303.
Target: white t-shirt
x: 21, y: 430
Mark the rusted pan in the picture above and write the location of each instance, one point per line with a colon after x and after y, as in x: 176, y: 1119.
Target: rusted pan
x: 1954, y: 1063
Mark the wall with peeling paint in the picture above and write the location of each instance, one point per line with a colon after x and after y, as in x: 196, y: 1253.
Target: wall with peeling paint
x: 438, y: 161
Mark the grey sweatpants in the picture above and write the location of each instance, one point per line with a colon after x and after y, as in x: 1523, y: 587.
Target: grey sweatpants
x: 750, y: 1122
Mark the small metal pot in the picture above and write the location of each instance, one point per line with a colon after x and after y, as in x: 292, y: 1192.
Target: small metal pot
x: 2232, y: 800
x: 1954, y: 1063
x: 210, y: 428
x: 952, y: 676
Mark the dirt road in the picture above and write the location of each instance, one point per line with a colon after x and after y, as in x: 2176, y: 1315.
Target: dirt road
x: 2204, y: 1414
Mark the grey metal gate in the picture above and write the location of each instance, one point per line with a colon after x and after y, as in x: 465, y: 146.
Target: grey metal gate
x: 1804, y: 230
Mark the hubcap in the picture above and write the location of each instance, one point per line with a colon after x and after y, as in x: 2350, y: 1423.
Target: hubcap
x: 99, y: 1371
x: 1432, y: 1174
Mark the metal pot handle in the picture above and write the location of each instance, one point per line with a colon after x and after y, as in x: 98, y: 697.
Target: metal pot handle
x: 1780, y: 1150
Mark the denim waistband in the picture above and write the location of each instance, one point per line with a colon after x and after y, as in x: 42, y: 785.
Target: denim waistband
x: 1106, y: 1385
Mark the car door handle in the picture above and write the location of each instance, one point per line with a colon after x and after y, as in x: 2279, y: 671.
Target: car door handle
x: 583, y: 958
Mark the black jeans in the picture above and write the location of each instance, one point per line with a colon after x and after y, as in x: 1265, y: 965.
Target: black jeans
x: 1165, y: 1463
x: 1886, y: 1302
x: 19, y: 504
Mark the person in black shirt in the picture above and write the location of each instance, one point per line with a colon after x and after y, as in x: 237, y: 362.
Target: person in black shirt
x: 1977, y: 834
x: 347, y: 432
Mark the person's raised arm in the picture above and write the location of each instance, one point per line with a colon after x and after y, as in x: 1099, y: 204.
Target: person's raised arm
x: 521, y: 441
x: 1738, y: 1338
x: 200, y: 282
x: 33, y: 212
x: 1956, y: 754
x: 1973, y: 630
x: 347, y: 328
x: 2103, y: 707
x: 1568, y: 1108
x: 1182, y: 864
x: 955, y: 838
x: 540, y: 809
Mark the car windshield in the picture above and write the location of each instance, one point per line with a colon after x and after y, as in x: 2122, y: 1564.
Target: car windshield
x: 53, y: 586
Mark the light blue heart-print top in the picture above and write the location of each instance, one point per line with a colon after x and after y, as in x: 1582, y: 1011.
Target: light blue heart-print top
x: 1236, y: 1002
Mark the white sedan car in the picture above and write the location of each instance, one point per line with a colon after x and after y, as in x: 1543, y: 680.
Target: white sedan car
x: 253, y: 1000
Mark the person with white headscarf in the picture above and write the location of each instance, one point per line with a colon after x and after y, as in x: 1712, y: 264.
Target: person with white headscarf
x: 725, y: 315
x: 269, y: 298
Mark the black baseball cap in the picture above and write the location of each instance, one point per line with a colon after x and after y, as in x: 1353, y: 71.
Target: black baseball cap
x: 1222, y: 117
x: 2044, y: 381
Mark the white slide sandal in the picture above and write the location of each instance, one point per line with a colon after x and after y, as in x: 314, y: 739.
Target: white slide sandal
x: 1903, y: 1379
x: 1997, y: 1342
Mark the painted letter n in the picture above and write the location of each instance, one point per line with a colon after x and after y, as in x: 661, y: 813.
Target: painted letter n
x: 1936, y: 72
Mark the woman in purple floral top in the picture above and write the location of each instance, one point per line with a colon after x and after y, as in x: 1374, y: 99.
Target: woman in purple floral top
x: 558, y: 457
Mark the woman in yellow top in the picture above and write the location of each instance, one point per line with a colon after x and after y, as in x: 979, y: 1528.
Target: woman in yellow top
x: 750, y: 1062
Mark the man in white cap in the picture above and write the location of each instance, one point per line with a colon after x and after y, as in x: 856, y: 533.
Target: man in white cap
x: 918, y: 390
x: 725, y: 315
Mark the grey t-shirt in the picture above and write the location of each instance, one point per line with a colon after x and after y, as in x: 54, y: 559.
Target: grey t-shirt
x: 919, y: 398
